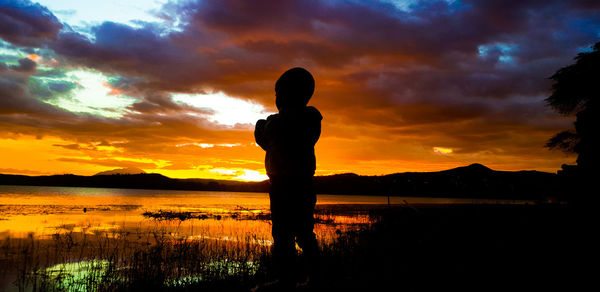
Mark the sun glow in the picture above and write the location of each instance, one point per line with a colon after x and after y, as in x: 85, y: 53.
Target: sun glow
x: 240, y: 174
x: 208, y: 145
x: 84, y: 91
x: 441, y: 150
x: 224, y: 109
x: 251, y: 175
x: 34, y: 57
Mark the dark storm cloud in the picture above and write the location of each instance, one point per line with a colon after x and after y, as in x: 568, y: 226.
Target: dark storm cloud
x: 25, y: 65
x: 155, y: 102
x: 27, y: 24
x: 142, y: 52
x: 226, y: 43
x: 15, y: 97
x: 61, y: 86
x: 470, y: 75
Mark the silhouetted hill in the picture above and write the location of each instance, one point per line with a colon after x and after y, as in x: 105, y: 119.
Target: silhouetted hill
x: 127, y: 170
x: 133, y: 181
x: 473, y: 181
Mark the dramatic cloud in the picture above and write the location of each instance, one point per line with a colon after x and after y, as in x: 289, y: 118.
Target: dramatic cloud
x: 27, y: 24
x: 403, y: 85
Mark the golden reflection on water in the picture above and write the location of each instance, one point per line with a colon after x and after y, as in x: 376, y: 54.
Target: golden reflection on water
x: 44, y: 211
x: 71, y: 235
x: 81, y: 231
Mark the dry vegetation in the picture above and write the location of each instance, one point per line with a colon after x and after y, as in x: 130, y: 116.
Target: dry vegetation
x: 419, y: 249
x: 154, y: 259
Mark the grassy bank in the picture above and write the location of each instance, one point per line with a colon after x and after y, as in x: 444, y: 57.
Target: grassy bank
x: 408, y: 248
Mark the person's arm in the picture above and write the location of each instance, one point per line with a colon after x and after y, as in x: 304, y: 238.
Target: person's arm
x: 315, y: 131
x: 259, y: 134
x: 315, y: 124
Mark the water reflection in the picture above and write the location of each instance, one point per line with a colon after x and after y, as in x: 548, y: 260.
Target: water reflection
x: 89, y: 274
x: 43, y: 210
x: 75, y: 276
x: 47, y: 210
x: 73, y: 237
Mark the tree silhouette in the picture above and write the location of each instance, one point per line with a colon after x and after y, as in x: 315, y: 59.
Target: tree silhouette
x: 576, y: 90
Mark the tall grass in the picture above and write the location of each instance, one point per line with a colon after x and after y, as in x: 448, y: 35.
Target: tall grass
x: 154, y: 259
x: 127, y: 261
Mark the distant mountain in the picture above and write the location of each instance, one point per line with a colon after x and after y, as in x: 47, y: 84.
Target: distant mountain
x: 473, y: 181
x: 127, y: 170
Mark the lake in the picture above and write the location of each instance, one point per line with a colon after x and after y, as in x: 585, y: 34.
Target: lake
x: 49, y: 235
x: 43, y: 210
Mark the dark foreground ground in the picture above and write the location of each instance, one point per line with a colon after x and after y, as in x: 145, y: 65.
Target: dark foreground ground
x: 543, y: 247
x: 461, y: 248
x: 477, y: 248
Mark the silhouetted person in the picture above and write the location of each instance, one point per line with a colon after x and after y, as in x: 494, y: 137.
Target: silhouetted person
x: 289, y: 138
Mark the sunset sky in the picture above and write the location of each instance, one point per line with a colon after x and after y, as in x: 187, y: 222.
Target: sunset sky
x: 175, y: 87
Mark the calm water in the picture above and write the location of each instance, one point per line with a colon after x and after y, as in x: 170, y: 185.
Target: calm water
x: 64, y: 232
x: 45, y: 210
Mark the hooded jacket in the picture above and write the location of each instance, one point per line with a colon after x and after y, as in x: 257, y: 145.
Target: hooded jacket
x: 289, y: 139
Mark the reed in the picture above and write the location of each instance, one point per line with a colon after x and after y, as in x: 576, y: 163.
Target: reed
x: 159, y: 258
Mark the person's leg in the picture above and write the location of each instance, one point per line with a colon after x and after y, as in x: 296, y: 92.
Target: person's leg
x: 284, y: 247
x: 311, y: 254
x: 284, y: 255
x: 305, y: 235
